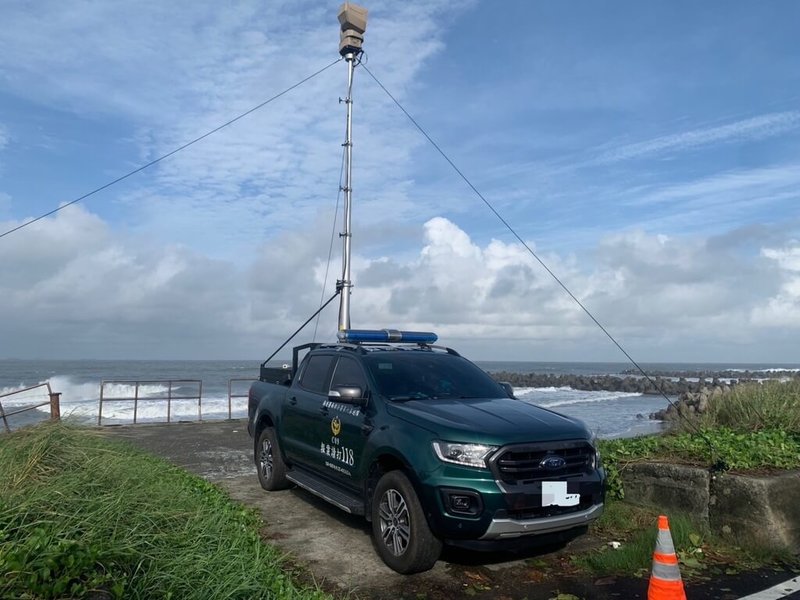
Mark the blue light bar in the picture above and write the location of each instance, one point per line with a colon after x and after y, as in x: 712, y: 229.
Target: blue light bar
x: 387, y: 335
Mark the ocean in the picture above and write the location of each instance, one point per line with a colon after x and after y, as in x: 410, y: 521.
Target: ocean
x: 609, y: 414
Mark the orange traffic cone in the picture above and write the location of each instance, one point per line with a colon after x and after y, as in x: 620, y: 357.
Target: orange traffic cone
x: 665, y: 579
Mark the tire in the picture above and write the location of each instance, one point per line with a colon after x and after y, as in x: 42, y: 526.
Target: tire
x: 269, y: 462
x: 399, y: 528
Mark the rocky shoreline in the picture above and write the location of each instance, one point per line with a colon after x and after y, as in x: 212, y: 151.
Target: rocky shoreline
x: 611, y: 383
x: 726, y: 374
x: 693, y: 388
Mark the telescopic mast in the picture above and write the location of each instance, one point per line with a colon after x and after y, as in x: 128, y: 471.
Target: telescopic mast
x: 353, y: 23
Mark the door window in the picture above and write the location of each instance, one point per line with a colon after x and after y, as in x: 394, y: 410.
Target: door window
x: 315, y: 375
x: 348, y: 373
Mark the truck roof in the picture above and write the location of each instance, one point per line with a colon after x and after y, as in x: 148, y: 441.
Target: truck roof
x: 285, y: 374
x: 365, y: 347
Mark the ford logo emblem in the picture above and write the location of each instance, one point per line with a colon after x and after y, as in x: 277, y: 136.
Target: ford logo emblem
x: 551, y: 463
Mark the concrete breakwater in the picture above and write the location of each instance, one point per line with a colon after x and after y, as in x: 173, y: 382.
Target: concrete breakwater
x: 738, y: 375
x: 611, y: 383
x: 691, y: 403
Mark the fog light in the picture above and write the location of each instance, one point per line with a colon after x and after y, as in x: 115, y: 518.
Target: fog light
x: 461, y: 502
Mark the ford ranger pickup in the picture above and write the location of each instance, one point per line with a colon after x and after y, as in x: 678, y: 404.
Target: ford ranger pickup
x: 426, y: 446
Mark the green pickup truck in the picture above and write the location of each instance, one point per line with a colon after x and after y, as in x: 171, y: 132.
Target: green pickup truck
x: 425, y: 445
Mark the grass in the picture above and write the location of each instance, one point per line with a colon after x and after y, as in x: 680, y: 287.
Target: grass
x: 767, y: 406
x: 79, y: 513
x: 699, y: 551
x: 636, y: 529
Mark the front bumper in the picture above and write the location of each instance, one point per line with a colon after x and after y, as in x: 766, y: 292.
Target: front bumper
x: 514, y: 528
x: 508, y: 511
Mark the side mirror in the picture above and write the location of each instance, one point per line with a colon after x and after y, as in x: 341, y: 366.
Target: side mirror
x: 347, y: 394
x: 508, y: 388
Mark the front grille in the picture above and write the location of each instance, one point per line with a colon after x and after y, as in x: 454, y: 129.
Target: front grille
x: 521, y: 464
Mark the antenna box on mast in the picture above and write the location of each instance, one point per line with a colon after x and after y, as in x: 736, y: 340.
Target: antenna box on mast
x: 353, y: 21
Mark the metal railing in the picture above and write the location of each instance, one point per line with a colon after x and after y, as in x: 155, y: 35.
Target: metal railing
x: 54, y: 400
x: 231, y: 395
x: 171, y: 384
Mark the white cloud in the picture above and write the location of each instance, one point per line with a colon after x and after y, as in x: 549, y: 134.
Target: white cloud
x: 558, y: 175
x: 5, y: 138
x: 774, y: 183
x: 715, y: 202
x: 788, y: 258
x: 676, y: 295
x: 782, y: 309
x: 75, y: 287
x: 753, y: 128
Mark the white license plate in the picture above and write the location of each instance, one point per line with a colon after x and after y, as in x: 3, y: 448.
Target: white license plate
x: 554, y: 493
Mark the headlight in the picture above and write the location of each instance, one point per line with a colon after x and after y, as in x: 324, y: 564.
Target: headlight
x: 595, y: 462
x: 470, y: 455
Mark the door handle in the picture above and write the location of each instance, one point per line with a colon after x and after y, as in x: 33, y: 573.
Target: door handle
x: 323, y: 410
x: 367, y: 429
x: 293, y: 400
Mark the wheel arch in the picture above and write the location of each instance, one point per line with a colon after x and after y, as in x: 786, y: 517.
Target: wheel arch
x: 264, y: 420
x: 383, y: 462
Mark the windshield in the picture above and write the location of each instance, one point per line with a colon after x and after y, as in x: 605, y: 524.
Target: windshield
x: 421, y: 375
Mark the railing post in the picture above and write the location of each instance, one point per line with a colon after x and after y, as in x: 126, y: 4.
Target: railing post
x: 135, y: 402
x: 55, y: 406
x: 100, y: 408
x: 230, y: 382
x: 200, y: 402
x: 5, y: 419
x: 169, y: 402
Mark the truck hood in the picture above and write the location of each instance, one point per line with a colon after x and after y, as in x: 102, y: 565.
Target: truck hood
x: 493, y: 421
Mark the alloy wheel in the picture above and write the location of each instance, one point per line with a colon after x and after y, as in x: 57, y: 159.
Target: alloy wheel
x: 265, y: 459
x: 395, y: 522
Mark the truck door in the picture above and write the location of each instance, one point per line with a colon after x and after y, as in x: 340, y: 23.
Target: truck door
x: 302, y: 412
x: 343, y: 433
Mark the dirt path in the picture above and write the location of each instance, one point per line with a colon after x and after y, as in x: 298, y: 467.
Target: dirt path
x: 336, y: 548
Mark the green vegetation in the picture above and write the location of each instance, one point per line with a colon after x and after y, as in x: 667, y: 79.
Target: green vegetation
x: 767, y: 406
x: 636, y: 528
x: 741, y: 451
x: 81, y: 514
x: 699, y: 551
x: 754, y: 427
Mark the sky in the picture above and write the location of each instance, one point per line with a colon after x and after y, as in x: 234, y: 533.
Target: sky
x: 649, y: 153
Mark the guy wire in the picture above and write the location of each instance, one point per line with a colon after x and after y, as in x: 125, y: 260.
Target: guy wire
x: 719, y: 465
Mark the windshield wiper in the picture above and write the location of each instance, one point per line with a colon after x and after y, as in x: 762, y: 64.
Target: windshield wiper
x: 409, y: 397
